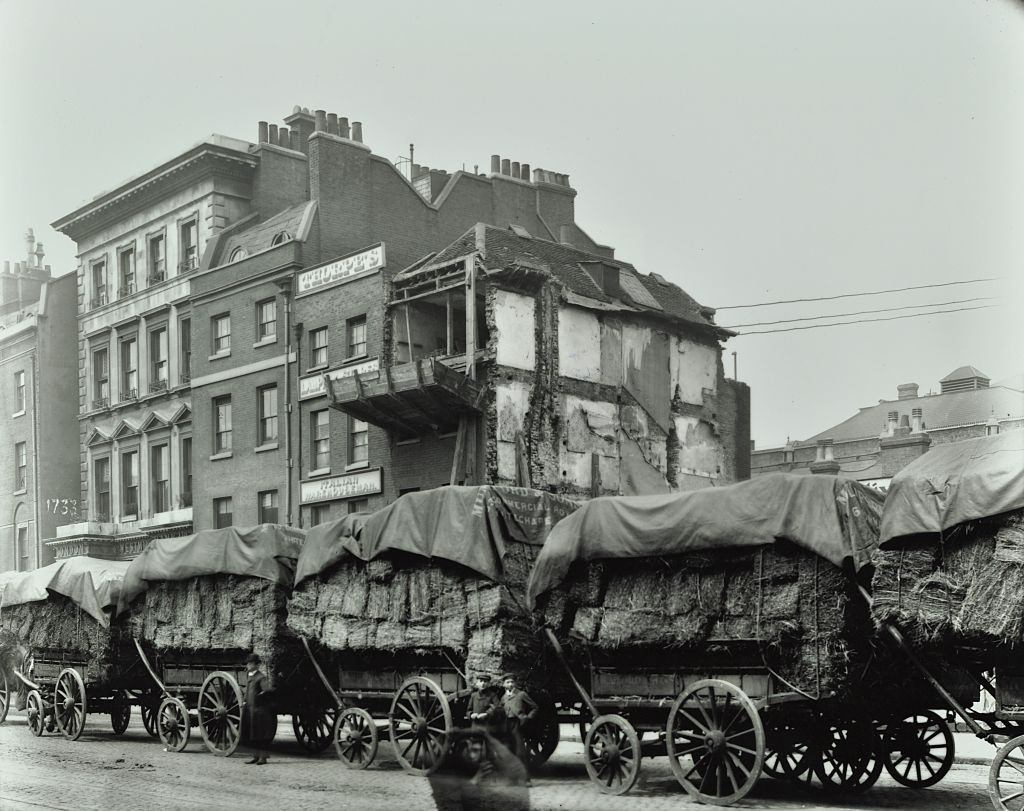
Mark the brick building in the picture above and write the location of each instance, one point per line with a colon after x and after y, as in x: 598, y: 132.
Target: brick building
x: 39, y: 488
x: 877, y: 441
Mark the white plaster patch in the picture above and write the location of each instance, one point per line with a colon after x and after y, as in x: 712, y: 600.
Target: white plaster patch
x: 700, y: 451
x: 579, y: 344
x: 694, y: 368
x: 511, y: 402
x: 507, y: 461
x: 515, y: 326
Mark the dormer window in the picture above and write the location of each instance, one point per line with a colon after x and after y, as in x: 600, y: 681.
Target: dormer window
x: 279, y: 237
x: 237, y: 253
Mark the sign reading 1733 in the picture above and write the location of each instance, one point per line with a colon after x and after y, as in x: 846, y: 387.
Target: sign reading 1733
x: 341, y: 270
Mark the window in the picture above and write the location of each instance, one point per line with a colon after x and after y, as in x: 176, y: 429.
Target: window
x: 185, y: 342
x: 357, y: 336
x: 130, y: 483
x: 267, y: 501
x: 318, y: 347
x: 318, y: 514
x: 266, y: 319
x: 222, y: 424
x: 279, y: 237
x: 186, y: 472
x: 160, y: 464
x: 22, y: 547
x: 126, y: 272
x: 157, y: 259
x: 238, y: 253
x: 99, y: 283
x: 129, y: 369
x: 20, y: 466
x: 320, y: 431
x: 101, y: 377
x: 221, y: 330
x: 268, y: 414
x: 358, y: 505
x: 358, y: 445
x: 188, y: 247
x: 101, y: 480
x: 158, y: 359
x: 222, y: 512
x: 19, y: 391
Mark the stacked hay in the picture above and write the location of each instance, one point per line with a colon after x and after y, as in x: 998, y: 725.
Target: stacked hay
x: 966, y: 590
x: 400, y: 603
x: 800, y: 611
x: 57, y: 623
x: 225, y: 613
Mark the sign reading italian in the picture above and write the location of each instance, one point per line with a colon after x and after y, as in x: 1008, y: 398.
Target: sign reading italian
x: 313, y: 385
x: 341, y: 270
x: 353, y: 485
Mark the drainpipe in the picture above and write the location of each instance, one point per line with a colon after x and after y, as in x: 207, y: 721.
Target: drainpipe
x: 297, y: 329
x: 285, y: 285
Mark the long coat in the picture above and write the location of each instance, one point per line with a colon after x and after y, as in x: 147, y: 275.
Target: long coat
x: 259, y: 721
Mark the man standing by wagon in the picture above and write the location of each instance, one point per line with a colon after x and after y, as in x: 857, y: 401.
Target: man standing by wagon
x: 484, y: 705
x: 520, y: 710
x: 259, y: 722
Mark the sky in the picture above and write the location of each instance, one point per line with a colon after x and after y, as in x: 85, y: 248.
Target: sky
x: 748, y: 152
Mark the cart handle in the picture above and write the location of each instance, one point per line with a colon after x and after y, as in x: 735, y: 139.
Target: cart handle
x: 320, y: 673
x: 28, y: 682
x: 152, y: 672
x: 560, y: 655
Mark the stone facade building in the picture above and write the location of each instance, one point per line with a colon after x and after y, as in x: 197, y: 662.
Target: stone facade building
x: 39, y: 488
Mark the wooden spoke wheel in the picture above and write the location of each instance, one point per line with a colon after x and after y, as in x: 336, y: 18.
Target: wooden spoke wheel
x: 788, y: 754
x: 612, y: 754
x: 715, y: 742
x: 120, y: 713
x: 355, y: 738
x: 314, y: 730
x: 918, y: 750
x: 173, y: 724
x: 148, y: 710
x: 69, y: 704
x: 36, y: 713
x: 1006, y: 776
x: 542, y: 737
x: 420, y: 725
x: 220, y: 713
x: 5, y: 696
x: 848, y: 756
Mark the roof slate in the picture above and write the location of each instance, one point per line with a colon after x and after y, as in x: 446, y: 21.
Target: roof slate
x: 964, y: 373
x: 259, y: 237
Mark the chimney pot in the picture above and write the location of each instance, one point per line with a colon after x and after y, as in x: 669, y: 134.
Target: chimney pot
x: 332, y: 123
x: 538, y: 175
x: 495, y: 164
x: 284, y: 137
x: 357, y: 131
x: 506, y: 166
x: 907, y: 391
x: 905, y: 421
x: 416, y: 170
x: 917, y: 420
x: 343, y: 128
x: 264, y: 132
x: 525, y: 172
x: 320, y: 117
x: 272, y: 135
x: 565, y: 180
x: 515, y: 169
x: 295, y: 143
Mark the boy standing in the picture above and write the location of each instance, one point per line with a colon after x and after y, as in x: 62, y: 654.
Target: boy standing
x: 520, y: 710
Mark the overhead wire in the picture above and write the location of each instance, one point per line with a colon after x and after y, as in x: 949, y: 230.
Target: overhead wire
x: 869, y: 320
x: 855, y: 295
x: 863, y: 312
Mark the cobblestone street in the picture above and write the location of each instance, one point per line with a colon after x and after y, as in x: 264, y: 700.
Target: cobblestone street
x: 103, y: 772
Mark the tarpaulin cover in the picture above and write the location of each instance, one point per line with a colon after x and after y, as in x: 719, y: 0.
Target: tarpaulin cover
x: 466, y: 525
x: 268, y: 551
x: 91, y: 583
x: 835, y: 518
x: 951, y: 484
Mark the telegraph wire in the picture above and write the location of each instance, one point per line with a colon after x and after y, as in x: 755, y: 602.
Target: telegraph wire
x: 854, y: 295
x: 862, y: 312
x: 869, y: 320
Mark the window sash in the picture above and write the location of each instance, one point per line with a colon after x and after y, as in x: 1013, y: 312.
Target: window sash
x: 19, y: 391
x: 222, y: 424
x: 158, y: 353
x: 222, y: 512
x: 358, y: 442
x: 157, y: 260
x: 221, y: 333
x: 357, y: 337
x: 268, y: 414
x: 268, y: 509
x: 266, y: 318
x: 318, y: 347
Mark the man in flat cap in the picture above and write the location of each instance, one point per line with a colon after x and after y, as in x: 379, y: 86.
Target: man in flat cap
x: 520, y: 710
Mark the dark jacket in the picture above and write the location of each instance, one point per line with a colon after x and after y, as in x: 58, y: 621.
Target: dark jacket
x: 485, y: 701
x: 259, y: 721
x: 518, y: 706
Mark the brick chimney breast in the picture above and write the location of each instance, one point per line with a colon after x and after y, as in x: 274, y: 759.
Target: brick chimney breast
x: 907, y: 391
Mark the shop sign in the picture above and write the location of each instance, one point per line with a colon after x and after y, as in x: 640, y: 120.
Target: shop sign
x: 341, y: 270
x: 313, y: 385
x: 352, y: 485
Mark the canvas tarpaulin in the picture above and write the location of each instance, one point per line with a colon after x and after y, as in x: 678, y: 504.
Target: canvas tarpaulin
x: 464, y: 525
x: 834, y: 518
x: 91, y: 583
x: 266, y: 551
x: 955, y: 483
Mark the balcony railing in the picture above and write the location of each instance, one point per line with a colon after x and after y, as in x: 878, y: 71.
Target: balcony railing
x: 101, y: 402
x: 188, y: 265
x: 129, y: 394
x: 156, y: 276
x: 98, y: 300
x: 20, y: 482
x: 126, y: 290
x: 157, y: 385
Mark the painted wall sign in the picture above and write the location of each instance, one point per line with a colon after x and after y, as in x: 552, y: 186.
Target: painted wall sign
x: 313, y: 385
x: 352, y: 485
x: 341, y: 270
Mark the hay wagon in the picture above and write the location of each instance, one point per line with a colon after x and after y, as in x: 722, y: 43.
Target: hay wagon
x: 193, y: 608
x: 401, y: 607
x: 721, y: 628
x: 948, y: 592
x: 71, y: 660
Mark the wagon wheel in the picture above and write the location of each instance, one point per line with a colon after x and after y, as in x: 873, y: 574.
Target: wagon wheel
x: 612, y: 753
x: 918, y: 750
x: 716, y: 725
x: 420, y: 725
x: 120, y: 713
x: 542, y: 738
x: 69, y: 703
x: 355, y: 738
x: 1006, y: 776
x: 36, y: 713
x: 148, y: 709
x: 5, y: 697
x: 173, y: 725
x: 848, y: 757
x: 788, y: 755
x: 314, y: 729
x: 220, y: 713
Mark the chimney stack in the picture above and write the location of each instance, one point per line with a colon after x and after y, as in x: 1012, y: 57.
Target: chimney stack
x: 272, y: 135
x: 515, y: 169
x: 916, y: 421
x: 824, y: 458
x: 891, y: 423
x: 332, y: 123
x: 357, y: 131
x: 524, y: 173
x: 506, y: 166
x: 495, y: 164
x: 294, y: 138
x: 283, y: 137
x: 906, y: 391
x: 320, y: 119
x: 343, y: 128
x: 264, y: 132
